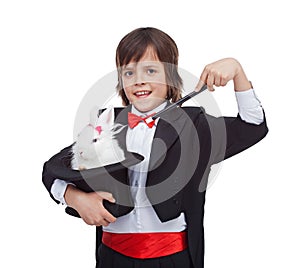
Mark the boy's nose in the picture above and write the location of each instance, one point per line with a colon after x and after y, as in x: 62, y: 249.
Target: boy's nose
x: 139, y: 83
x: 139, y: 78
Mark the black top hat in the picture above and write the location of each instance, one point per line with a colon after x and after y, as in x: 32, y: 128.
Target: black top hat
x: 111, y: 178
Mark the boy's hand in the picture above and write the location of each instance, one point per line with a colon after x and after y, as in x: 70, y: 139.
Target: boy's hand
x: 219, y: 73
x: 90, y: 205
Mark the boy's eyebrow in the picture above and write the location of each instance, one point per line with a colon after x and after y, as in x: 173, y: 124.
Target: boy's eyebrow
x: 151, y: 65
x: 129, y: 66
x: 146, y: 65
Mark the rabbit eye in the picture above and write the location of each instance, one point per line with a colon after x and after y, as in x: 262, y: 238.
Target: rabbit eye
x: 95, y: 140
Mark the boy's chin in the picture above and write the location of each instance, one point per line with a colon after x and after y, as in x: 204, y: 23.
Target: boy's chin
x: 148, y: 104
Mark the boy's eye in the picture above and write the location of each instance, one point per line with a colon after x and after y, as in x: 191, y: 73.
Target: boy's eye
x: 128, y: 73
x: 151, y: 71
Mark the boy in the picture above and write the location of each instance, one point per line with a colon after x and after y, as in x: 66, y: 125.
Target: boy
x: 164, y: 226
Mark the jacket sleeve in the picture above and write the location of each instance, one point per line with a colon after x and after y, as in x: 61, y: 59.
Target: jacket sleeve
x: 48, y: 174
x: 232, y: 135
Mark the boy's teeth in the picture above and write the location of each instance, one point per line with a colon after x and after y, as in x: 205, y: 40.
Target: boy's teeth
x: 140, y: 93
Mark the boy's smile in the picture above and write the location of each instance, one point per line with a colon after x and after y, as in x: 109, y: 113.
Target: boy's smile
x: 142, y: 94
x: 145, y: 82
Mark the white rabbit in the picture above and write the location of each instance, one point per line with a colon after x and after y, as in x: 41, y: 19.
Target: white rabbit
x: 96, y: 144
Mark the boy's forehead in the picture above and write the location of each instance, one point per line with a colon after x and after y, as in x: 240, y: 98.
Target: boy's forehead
x: 143, y: 63
x: 148, y: 56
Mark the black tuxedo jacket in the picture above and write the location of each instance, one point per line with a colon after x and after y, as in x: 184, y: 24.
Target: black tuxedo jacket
x: 186, y: 143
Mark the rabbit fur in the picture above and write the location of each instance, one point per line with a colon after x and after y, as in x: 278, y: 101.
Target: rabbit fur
x: 96, y: 145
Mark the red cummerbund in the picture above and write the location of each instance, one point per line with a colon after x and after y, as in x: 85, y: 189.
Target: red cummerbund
x: 146, y: 245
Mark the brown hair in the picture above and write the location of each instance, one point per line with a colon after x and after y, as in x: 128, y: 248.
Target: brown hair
x: 134, y: 45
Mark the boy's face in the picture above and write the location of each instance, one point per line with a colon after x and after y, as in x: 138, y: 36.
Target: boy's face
x: 145, y: 82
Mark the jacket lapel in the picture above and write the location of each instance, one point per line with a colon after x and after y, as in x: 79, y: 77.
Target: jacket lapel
x: 122, y: 114
x: 168, y: 129
x: 121, y: 117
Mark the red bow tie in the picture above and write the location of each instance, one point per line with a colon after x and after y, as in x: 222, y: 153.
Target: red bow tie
x: 134, y: 120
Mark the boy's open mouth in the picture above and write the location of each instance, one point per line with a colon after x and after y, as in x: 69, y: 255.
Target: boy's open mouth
x: 142, y: 93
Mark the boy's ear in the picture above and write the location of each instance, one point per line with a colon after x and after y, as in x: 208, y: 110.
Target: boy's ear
x: 107, y: 117
x: 94, y: 115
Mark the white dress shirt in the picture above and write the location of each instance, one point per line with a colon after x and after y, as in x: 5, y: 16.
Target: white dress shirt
x: 143, y: 218
x: 139, y: 139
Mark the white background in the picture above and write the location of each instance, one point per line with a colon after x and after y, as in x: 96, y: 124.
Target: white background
x: 52, y: 52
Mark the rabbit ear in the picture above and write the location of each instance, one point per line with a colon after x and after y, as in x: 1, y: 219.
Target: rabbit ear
x: 94, y: 115
x: 107, y: 117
